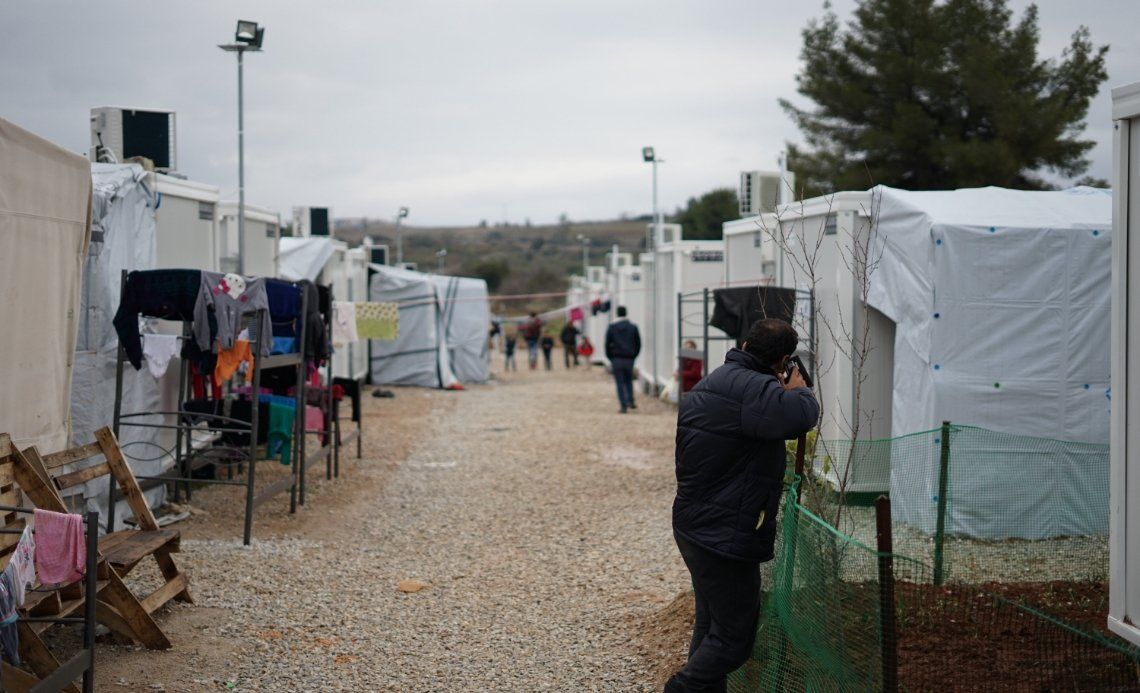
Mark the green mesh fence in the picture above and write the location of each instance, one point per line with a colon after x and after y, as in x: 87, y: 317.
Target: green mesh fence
x: 1000, y: 569
x: 976, y: 505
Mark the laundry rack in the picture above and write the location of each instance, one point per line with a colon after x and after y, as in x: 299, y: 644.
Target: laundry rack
x: 188, y: 458
x: 83, y: 661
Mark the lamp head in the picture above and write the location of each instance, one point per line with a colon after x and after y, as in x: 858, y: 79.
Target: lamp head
x: 246, y: 32
x: 647, y: 154
x: 403, y: 212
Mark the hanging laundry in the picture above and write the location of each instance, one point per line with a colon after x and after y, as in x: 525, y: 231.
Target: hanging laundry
x: 9, y: 638
x: 61, y: 552
x: 344, y: 323
x: 23, y: 565
x: 232, y: 297
x: 576, y: 314
x: 595, y: 306
x: 378, y: 321
x: 280, y: 436
x: 158, y: 350
x: 167, y: 293
x: 284, y: 345
x: 229, y: 360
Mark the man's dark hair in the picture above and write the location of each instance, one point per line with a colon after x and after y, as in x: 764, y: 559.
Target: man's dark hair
x: 621, y: 311
x: 771, y: 340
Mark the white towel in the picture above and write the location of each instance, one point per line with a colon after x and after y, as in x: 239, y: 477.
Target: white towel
x: 159, y: 349
x: 344, y: 323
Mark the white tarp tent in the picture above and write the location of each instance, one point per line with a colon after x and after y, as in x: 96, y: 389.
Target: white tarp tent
x: 303, y: 258
x: 466, y: 325
x: 332, y: 263
x: 122, y: 238
x: 45, y: 220
x: 419, y: 356
x: 1000, y: 300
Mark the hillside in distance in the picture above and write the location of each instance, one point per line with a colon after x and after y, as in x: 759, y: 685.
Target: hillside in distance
x: 513, y: 259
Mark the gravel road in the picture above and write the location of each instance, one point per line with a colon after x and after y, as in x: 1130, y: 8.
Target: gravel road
x: 525, y: 520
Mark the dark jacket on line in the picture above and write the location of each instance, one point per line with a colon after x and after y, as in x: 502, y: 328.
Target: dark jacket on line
x: 623, y: 341
x: 730, y: 456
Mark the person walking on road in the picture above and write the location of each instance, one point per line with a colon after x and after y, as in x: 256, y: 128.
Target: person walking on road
x: 509, y: 341
x: 623, y: 344
x: 547, y: 345
x: 730, y: 463
x: 531, y: 331
x: 569, y: 339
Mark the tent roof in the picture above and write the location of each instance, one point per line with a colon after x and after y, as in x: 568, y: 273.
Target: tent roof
x: 303, y: 258
x: 1004, y: 208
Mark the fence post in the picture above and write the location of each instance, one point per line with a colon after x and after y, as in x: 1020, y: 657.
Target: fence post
x: 801, y: 446
x: 887, y: 594
x: 943, y: 482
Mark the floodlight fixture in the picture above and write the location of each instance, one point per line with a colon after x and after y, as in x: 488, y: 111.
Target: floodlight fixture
x: 647, y: 154
x: 246, y: 31
x: 403, y: 212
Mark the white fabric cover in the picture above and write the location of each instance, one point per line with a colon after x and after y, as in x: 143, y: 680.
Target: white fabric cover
x: 466, y: 325
x: 419, y: 356
x: 303, y: 258
x: 123, y: 238
x: 45, y: 221
x: 1020, y: 284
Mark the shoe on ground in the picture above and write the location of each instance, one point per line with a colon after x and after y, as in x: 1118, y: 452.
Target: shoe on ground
x: 633, y: 405
x: 623, y: 410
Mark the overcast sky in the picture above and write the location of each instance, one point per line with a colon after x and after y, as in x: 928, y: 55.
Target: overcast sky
x: 459, y: 109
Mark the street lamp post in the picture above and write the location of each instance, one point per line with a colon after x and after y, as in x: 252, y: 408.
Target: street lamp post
x: 650, y: 156
x: 247, y: 37
x: 585, y: 256
x: 400, y: 239
x: 441, y: 256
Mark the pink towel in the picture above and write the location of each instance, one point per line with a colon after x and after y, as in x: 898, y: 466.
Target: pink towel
x: 61, y: 553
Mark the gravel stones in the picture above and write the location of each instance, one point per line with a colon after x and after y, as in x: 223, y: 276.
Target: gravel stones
x: 511, y: 548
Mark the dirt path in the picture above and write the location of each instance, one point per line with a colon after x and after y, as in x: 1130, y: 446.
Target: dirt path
x: 534, y: 515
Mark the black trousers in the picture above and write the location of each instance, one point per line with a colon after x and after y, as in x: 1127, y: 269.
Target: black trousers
x: 569, y: 351
x: 728, y: 609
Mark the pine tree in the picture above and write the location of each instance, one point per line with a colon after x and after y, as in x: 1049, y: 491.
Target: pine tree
x: 926, y: 94
x: 702, y: 218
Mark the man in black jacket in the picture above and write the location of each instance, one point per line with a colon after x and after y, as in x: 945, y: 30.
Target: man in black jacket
x: 623, y: 344
x: 569, y: 339
x: 730, y: 461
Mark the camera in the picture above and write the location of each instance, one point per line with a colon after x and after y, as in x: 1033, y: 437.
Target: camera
x: 794, y: 361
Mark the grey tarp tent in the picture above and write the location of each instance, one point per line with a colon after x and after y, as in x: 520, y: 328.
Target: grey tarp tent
x: 419, y: 356
x: 122, y: 238
x: 466, y: 325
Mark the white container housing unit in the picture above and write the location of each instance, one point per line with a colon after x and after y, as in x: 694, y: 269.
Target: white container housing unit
x: 682, y: 267
x: 186, y: 219
x: 1124, y: 505
x: 750, y: 255
x: 262, y: 239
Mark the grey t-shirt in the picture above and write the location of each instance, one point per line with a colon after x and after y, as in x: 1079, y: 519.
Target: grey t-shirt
x: 231, y: 296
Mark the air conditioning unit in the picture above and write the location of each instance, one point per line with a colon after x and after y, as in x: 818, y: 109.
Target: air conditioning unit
x: 312, y: 221
x: 378, y: 254
x: 760, y: 191
x: 127, y: 132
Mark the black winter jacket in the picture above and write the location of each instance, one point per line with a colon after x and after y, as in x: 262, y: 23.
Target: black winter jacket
x: 731, y: 430
x: 623, y: 341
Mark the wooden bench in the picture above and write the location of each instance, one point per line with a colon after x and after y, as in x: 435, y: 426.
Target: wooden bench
x: 118, y: 607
